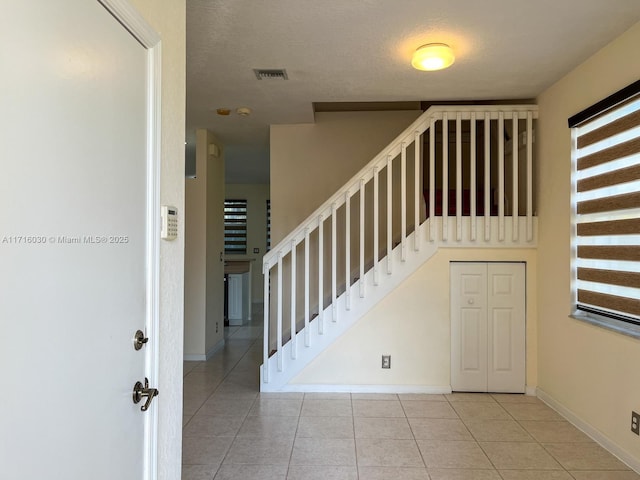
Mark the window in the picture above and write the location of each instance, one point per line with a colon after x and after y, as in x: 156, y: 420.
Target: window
x: 235, y: 227
x: 268, y: 225
x: 606, y: 202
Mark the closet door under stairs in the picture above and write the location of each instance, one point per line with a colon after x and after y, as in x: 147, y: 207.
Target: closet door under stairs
x: 488, y: 327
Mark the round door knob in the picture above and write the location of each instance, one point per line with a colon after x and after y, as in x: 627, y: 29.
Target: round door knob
x: 470, y: 301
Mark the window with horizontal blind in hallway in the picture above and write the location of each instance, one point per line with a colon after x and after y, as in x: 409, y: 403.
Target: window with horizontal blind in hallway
x: 606, y: 202
x: 235, y: 227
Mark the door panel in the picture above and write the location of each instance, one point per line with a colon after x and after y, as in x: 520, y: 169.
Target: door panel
x: 471, y: 327
x: 506, y: 304
x: 468, y: 327
x: 235, y: 299
x: 73, y: 242
x: 488, y: 327
x: 501, y: 320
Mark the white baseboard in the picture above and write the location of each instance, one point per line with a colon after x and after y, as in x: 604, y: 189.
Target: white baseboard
x: 599, y: 437
x: 194, y: 357
x: 203, y: 358
x: 315, y: 388
x: 217, y: 347
x: 432, y: 390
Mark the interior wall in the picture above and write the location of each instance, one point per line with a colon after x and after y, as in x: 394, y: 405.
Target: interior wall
x: 256, y: 196
x: 309, y: 162
x: 204, y: 268
x: 589, y: 370
x: 195, y: 270
x: 168, y: 18
x: 412, y: 325
x: 215, y: 240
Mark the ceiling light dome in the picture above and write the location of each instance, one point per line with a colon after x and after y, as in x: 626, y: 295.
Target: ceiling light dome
x: 433, y: 56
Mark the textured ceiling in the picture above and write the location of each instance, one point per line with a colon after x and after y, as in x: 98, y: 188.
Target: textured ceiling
x: 360, y: 51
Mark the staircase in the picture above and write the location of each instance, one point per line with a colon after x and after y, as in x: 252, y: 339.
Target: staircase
x: 458, y: 176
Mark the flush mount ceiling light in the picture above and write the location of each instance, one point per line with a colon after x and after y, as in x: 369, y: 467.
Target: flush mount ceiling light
x: 433, y: 56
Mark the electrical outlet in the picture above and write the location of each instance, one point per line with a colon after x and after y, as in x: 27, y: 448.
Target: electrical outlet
x: 635, y: 422
x: 386, y: 361
x: 216, y: 327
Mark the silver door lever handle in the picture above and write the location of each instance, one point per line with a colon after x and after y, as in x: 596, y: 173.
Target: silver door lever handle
x: 139, y: 340
x: 140, y: 390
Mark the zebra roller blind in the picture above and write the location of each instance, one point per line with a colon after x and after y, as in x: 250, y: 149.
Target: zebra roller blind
x: 235, y: 227
x: 606, y: 240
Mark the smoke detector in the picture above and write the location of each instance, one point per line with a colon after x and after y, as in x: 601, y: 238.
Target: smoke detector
x: 243, y: 111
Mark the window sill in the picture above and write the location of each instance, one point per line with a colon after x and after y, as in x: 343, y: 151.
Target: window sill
x: 617, y: 326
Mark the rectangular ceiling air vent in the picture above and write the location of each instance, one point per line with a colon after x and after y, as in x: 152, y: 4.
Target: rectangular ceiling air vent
x: 271, y: 74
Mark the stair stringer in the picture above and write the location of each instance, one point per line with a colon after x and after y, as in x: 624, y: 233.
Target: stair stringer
x: 274, y: 380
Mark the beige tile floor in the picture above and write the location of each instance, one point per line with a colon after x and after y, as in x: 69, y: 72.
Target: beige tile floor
x: 231, y: 431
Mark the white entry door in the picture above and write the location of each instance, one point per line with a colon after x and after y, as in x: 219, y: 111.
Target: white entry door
x: 77, y: 246
x: 488, y: 327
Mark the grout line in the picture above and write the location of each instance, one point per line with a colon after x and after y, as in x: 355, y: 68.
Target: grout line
x: 214, y: 358
x: 355, y: 438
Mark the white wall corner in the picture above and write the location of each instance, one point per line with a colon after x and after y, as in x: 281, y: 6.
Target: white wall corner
x: 199, y: 357
x: 216, y: 348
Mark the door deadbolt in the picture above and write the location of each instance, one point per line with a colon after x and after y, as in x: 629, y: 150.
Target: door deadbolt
x: 139, y: 340
x: 140, y: 390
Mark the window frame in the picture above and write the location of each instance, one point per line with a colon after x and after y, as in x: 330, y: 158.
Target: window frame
x: 612, y: 320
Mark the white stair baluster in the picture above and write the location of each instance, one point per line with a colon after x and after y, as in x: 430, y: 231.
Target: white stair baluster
x: 417, y: 194
x: 529, y: 176
x: 334, y: 261
x: 294, y: 340
x: 445, y: 176
x: 362, y: 238
x: 389, y: 213
x: 403, y: 202
x: 320, y: 275
x: 458, y: 176
x: 307, y: 307
x: 376, y: 226
x: 279, y: 315
x: 473, y: 176
x: 347, y: 250
x: 515, y: 140
x: 487, y: 176
x: 432, y: 179
x: 501, y: 196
